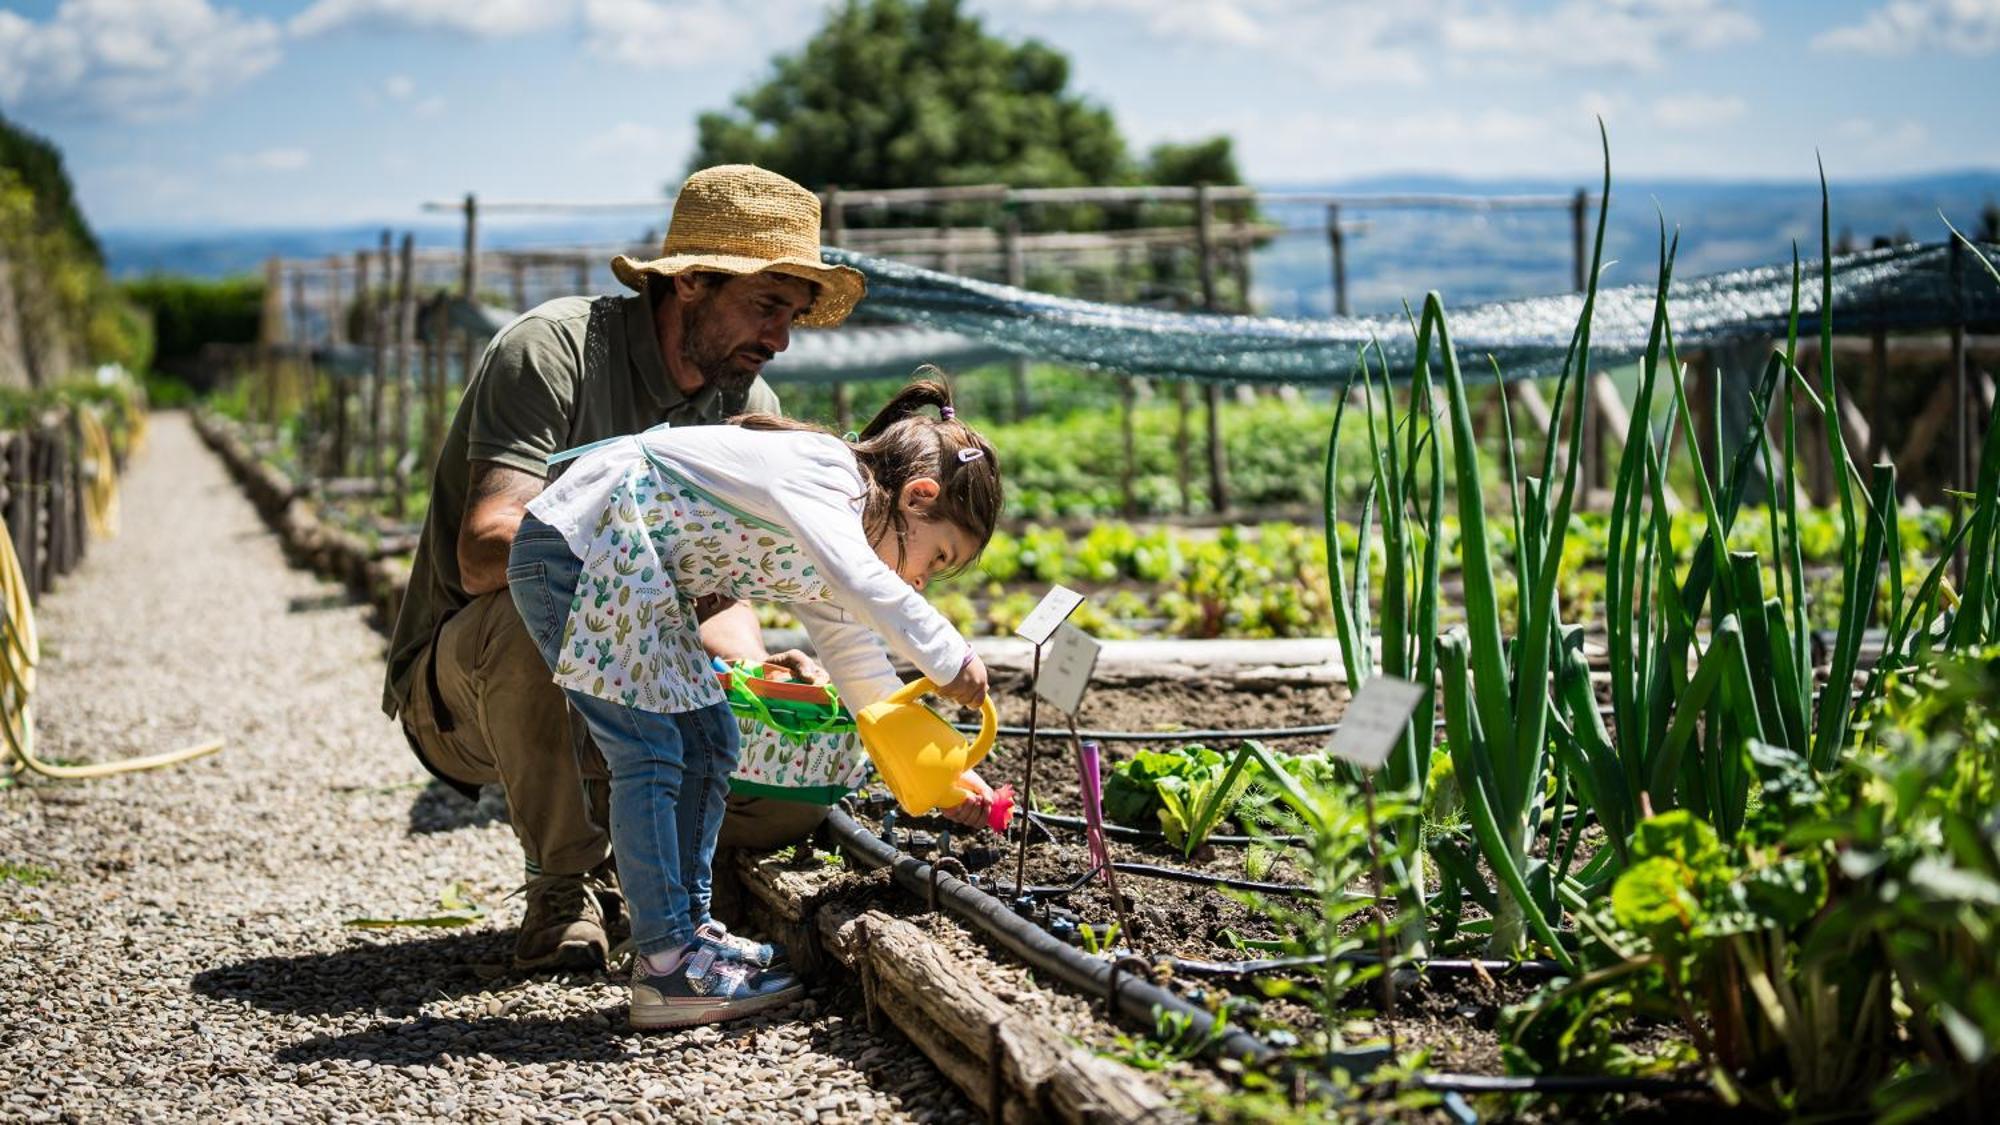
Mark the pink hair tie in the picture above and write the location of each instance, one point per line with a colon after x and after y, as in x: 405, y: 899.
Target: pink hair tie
x: 946, y: 413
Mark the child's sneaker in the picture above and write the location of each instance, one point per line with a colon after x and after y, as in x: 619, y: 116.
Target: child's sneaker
x: 705, y: 988
x: 760, y: 954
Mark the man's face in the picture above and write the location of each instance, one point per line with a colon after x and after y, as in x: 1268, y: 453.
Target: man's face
x: 732, y: 328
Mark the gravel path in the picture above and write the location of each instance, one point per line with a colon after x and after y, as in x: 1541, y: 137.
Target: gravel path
x: 172, y: 944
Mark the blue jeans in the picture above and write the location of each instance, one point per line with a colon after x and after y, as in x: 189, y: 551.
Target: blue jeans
x: 669, y: 773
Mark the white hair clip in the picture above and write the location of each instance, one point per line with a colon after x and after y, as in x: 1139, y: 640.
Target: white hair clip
x: 969, y: 454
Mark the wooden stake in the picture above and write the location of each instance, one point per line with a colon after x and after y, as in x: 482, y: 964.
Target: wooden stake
x: 379, y: 375
x: 406, y: 332
x: 1017, y: 276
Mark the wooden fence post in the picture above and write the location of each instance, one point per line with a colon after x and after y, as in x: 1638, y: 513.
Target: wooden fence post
x: 21, y: 494
x: 1017, y: 276
x: 406, y: 331
x: 1218, y: 460
x: 1127, y: 393
x: 437, y: 367
x: 335, y: 461
x: 378, y: 307
x: 469, y: 281
x: 1338, y: 241
x: 833, y: 219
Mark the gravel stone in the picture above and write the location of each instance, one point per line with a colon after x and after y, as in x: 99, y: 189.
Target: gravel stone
x: 189, y: 960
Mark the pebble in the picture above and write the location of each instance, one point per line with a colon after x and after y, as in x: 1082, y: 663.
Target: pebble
x: 194, y: 965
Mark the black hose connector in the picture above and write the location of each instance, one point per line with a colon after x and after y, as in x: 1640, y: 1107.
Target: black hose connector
x: 1134, y: 997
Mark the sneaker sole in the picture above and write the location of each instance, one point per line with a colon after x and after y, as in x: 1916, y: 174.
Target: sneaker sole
x: 577, y: 956
x: 693, y: 1012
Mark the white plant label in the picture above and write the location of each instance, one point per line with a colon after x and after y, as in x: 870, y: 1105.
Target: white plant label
x: 1055, y: 608
x: 1374, y: 721
x: 1066, y: 669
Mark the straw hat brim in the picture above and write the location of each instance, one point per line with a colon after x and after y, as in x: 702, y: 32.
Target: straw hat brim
x: 838, y: 288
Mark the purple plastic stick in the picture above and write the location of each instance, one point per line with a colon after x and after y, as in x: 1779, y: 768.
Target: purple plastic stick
x: 1090, y: 784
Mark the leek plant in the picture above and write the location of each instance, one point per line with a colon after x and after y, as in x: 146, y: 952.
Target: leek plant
x: 1706, y: 662
x: 1411, y: 523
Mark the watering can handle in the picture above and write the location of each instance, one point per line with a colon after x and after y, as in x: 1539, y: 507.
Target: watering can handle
x: 989, y: 719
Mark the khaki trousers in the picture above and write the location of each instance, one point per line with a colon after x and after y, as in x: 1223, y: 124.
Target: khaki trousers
x: 497, y: 717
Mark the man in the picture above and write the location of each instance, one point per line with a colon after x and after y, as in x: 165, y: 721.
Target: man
x: 740, y: 266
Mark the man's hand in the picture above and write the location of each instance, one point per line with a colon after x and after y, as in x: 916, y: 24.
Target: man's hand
x: 969, y: 688
x: 802, y: 667
x: 496, y: 499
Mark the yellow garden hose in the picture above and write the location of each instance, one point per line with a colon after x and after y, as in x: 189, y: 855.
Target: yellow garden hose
x: 20, y: 651
x: 100, y: 494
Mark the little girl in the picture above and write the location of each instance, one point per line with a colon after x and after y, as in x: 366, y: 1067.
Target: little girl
x: 606, y: 569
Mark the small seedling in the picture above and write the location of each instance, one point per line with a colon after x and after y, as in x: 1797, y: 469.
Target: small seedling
x: 458, y: 909
x: 1095, y: 945
x: 1174, y: 1039
x: 26, y: 874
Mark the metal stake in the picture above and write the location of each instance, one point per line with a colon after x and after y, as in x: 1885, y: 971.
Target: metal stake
x: 1028, y: 776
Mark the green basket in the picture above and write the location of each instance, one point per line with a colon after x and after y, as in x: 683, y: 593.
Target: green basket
x: 787, y: 706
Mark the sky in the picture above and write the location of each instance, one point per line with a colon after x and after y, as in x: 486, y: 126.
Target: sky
x: 210, y: 113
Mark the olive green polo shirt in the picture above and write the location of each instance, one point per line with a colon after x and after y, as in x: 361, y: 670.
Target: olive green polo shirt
x: 564, y: 374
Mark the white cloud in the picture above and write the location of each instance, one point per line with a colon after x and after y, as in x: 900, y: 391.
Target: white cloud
x: 267, y: 160
x: 1313, y: 145
x: 629, y: 138
x: 401, y: 90
x: 1578, y: 34
x: 1864, y: 142
x: 1900, y: 27
x: 654, y: 33
x: 1698, y: 111
x: 1411, y: 40
x: 484, y: 19
x: 130, y: 59
x: 644, y: 33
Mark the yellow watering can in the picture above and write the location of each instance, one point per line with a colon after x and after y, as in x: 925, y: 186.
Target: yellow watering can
x: 920, y: 756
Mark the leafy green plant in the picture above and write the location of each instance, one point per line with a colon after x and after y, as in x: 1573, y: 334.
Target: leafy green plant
x: 1917, y: 837
x: 1334, y: 834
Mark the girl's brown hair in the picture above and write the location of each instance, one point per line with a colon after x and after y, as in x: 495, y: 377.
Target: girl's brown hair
x: 905, y: 442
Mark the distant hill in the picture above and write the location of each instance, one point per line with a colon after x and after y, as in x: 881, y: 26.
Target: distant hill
x: 1470, y: 257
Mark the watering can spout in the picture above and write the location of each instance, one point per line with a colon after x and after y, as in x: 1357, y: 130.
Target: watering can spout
x: 922, y: 758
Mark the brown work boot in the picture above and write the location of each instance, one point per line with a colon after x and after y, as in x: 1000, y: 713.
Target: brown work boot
x: 611, y: 901
x: 563, y: 928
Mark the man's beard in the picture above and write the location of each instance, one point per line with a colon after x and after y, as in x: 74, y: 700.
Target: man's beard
x: 714, y: 358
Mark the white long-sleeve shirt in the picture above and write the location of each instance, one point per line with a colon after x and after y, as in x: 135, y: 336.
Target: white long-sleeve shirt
x: 671, y: 515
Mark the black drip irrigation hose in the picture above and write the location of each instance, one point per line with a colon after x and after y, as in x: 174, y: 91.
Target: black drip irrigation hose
x: 1443, y: 966
x: 1140, y: 1000
x: 1131, y: 994
x: 1554, y: 1084
x: 1311, y: 731
x: 1147, y: 835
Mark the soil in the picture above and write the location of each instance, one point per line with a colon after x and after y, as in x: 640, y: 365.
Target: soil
x: 1451, y: 1019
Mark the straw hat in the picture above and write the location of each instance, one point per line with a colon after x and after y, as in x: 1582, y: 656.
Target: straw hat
x: 741, y: 219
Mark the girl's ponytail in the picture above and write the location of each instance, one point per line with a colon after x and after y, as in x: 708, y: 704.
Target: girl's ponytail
x: 929, y: 389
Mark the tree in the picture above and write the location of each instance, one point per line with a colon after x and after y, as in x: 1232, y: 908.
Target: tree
x: 895, y: 93
x: 1211, y: 161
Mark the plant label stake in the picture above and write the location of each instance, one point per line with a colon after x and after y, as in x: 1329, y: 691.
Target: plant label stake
x: 1054, y: 610
x: 1374, y: 721
x: 1090, y: 784
x: 1072, y: 658
x: 1369, y: 729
